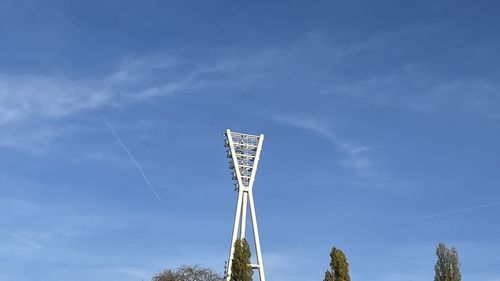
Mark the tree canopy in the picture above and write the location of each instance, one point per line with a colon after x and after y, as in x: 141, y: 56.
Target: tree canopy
x: 447, y: 267
x: 188, y: 273
x: 241, y: 270
x: 339, y: 267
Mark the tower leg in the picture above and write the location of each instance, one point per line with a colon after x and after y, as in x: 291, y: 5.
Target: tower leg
x: 256, y: 237
x: 237, y: 218
x: 244, y: 215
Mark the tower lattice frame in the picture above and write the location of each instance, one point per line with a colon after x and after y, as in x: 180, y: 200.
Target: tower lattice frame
x: 244, y: 152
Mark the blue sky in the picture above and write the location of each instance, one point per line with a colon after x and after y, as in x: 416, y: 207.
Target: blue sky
x: 381, y: 119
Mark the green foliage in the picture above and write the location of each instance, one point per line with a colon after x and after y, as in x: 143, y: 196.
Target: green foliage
x: 339, y: 267
x: 188, y: 273
x: 447, y: 267
x: 328, y: 276
x: 241, y: 269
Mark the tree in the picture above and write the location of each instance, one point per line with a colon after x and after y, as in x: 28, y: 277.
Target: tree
x: 188, y: 273
x: 447, y: 267
x: 241, y: 270
x: 328, y: 276
x: 339, y: 267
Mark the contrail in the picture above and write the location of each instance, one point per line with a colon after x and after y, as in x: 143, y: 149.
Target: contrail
x: 132, y: 158
x: 457, y: 211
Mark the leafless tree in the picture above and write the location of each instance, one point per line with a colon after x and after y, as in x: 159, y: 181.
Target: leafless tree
x: 188, y: 273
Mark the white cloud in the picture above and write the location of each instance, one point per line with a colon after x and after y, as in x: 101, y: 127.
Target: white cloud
x: 414, y: 88
x: 355, y: 156
x: 24, y: 96
x: 23, y: 240
x: 31, y: 139
x: 315, y: 59
x: 31, y: 104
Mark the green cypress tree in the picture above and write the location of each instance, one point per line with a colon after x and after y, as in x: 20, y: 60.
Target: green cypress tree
x: 447, y: 267
x: 339, y: 267
x: 241, y: 270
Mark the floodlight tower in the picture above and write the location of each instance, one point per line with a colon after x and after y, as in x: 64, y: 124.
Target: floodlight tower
x: 244, y: 151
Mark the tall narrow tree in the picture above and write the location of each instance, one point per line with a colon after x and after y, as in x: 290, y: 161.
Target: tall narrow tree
x: 447, y: 267
x: 241, y: 270
x: 339, y: 267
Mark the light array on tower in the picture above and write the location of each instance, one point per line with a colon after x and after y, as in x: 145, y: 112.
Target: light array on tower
x: 242, y: 150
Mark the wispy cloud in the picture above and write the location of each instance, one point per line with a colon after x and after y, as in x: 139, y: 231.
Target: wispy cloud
x: 30, y: 102
x: 456, y: 211
x: 40, y: 232
x: 408, y: 84
x: 416, y: 88
x: 132, y: 158
x: 415, y: 84
x: 23, y: 240
x: 32, y: 139
x: 355, y: 155
x: 23, y: 96
x: 323, y: 129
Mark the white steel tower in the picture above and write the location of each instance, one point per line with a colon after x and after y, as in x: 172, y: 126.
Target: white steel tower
x: 244, y: 151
